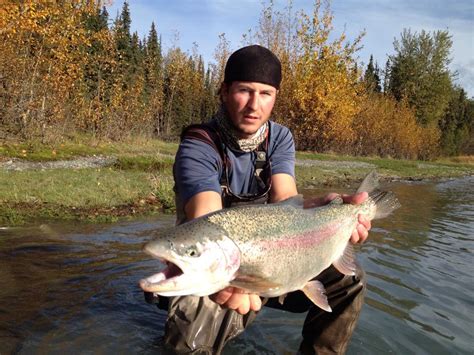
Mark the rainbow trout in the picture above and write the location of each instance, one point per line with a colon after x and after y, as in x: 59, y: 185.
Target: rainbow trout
x: 268, y: 249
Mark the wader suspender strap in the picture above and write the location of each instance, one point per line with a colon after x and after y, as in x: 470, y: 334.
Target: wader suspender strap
x: 207, y: 134
x: 261, y: 160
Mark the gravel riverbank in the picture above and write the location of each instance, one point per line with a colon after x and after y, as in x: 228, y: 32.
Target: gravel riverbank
x: 16, y: 164
x: 99, y: 161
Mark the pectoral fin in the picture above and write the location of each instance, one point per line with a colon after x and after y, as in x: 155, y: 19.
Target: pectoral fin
x: 346, y: 263
x: 315, y: 291
x: 254, y: 283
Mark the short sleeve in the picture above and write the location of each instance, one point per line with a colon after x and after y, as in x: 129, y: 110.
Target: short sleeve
x: 282, y: 150
x: 197, y: 168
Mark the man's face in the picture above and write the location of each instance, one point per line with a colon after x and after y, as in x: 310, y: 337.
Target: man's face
x: 249, y: 105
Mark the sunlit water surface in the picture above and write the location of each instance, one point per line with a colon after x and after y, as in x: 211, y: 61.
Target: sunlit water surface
x: 73, y: 288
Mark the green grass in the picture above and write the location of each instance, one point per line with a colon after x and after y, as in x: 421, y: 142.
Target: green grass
x: 324, y: 156
x: 88, y: 194
x: 78, y: 188
x: 144, y: 163
x: 87, y: 146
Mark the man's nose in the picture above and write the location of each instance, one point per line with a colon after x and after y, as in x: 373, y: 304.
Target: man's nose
x: 254, y: 101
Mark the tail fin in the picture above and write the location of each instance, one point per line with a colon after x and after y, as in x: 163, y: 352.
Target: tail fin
x: 370, y: 183
x: 385, y: 202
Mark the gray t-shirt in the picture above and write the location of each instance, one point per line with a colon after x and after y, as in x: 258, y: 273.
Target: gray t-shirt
x: 198, y: 167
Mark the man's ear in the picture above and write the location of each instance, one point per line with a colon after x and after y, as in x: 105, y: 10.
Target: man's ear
x: 224, y: 90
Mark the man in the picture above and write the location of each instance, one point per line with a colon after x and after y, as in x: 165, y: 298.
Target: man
x: 241, y: 156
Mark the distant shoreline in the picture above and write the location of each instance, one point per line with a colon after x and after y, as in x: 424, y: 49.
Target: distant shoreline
x: 118, y: 181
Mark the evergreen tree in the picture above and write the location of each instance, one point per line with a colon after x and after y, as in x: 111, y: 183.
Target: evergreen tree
x: 153, y: 71
x: 125, y: 55
x: 456, y: 125
x: 122, y: 27
x: 153, y: 47
x: 97, y: 73
x: 98, y: 21
x: 104, y: 18
x: 136, y: 60
x: 372, y: 76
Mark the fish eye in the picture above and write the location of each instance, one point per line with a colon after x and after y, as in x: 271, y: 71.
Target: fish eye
x: 192, y: 252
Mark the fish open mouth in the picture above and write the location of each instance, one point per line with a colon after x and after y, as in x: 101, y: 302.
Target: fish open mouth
x: 172, y: 270
x: 164, y: 279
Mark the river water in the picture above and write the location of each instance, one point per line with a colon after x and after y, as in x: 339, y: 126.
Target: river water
x: 72, y: 288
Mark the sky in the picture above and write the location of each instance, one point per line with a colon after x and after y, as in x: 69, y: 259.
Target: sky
x: 185, y: 22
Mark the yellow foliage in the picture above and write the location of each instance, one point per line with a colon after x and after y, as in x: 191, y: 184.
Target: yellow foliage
x: 59, y: 76
x: 386, y: 127
x: 320, y: 94
x: 42, y: 59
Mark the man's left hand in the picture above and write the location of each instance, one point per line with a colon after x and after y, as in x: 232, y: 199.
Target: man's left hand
x: 361, y: 231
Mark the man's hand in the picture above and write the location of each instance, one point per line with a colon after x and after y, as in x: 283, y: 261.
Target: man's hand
x: 361, y: 231
x: 236, y: 299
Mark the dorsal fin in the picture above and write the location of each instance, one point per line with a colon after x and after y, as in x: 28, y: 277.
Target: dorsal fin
x: 370, y: 183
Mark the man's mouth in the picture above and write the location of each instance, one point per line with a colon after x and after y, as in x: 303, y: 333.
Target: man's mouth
x: 250, y: 117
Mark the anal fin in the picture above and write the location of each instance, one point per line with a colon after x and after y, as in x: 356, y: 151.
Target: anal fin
x: 281, y: 299
x: 346, y: 263
x: 316, y: 292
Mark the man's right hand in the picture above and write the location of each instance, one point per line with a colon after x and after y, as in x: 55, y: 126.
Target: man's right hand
x: 361, y: 231
x: 236, y: 299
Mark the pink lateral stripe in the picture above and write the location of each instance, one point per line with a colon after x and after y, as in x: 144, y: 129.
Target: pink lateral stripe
x: 307, y: 239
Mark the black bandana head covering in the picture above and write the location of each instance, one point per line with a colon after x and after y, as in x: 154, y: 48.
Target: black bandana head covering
x: 253, y: 63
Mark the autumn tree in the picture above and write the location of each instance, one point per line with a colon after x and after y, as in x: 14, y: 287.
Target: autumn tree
x: 221, y: 54
x: 324, y: 97
x: 319, y: 94
x: 176, y: 110
x: 41, y: 66
x: 210, y: 101
x: 214, y: 77
x: 63, y: 69
x: 387, y: 127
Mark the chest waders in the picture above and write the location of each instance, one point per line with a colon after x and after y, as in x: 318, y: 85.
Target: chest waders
x: 197, y: 325
x: 262, y: 167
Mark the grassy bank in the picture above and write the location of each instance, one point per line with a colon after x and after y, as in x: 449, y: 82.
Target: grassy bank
x: 388, y: 169
x: 140, y: 182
